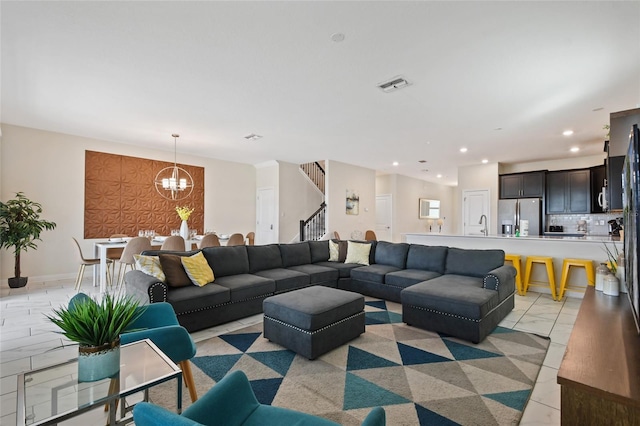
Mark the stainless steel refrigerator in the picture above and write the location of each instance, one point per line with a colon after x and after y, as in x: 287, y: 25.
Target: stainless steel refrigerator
x: 511, y: 212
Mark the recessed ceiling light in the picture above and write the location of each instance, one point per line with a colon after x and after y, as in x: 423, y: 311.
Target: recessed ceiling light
x: 498, y: 128
x: 438, y: 175
x: 575, y: 149
x: 485, y: 161
x: 395, y: 163
x: 337, y: 37
x: 422, y: 161
x: 463, y: 149
x: 567, y: 132
x: 252, y: 137
x: 597, y: 109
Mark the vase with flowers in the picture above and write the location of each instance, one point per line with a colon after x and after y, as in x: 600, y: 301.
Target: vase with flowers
x: 184, y: 212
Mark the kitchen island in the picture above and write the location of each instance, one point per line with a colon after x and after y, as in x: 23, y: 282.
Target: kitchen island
x: 560, y: 248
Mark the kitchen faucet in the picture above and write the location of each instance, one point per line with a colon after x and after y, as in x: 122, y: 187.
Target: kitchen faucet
x: 485, y: 231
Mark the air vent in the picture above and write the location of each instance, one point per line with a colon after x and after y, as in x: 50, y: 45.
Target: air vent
x: 252, y: 137
x: 394, y: 84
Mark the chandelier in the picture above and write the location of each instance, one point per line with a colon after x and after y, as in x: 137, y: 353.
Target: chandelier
x: 173, y: 182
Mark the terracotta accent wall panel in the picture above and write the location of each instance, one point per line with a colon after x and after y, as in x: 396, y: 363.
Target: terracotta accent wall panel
x: 120, y: 197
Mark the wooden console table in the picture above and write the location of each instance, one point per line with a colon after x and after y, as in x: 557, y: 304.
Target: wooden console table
x: 600, y: 372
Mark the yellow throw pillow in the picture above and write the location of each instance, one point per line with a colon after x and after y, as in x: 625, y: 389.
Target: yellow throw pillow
x: 198, y: 269
x: 358, y: 253
x: 150, y: 265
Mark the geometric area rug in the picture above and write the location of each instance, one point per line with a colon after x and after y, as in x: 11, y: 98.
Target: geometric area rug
x: 419, y: 377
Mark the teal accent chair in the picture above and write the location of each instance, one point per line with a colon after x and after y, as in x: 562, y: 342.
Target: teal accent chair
x: 159, y: 324
x: 231, y: 402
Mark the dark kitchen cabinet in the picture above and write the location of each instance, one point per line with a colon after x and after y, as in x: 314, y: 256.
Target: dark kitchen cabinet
x: 598, y: 180
x: 568, y: 191
x: 522, y: 185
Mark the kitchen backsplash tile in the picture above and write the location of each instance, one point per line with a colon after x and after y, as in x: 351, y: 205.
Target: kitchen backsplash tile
x: 597, y: 224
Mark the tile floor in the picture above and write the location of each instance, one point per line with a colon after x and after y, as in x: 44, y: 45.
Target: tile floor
x: 26, y: 336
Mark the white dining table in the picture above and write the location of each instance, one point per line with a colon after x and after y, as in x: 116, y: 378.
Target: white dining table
x: 100, y: 250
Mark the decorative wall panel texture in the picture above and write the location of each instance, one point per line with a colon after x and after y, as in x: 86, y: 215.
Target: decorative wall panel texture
x: 120, y: 197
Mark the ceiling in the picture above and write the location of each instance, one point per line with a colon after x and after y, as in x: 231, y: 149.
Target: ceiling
x: 503, y: 79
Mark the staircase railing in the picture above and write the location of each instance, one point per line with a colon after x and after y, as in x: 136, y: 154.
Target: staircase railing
x: 316, y: 174
x: 313, y: 228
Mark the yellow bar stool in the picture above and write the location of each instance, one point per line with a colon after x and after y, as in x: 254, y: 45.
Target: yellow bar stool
x: 516, y: 259
x: 548, y: 262
x: 566, y: 267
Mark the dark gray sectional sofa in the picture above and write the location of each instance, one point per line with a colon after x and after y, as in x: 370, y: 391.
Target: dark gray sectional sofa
x: 460, y: 292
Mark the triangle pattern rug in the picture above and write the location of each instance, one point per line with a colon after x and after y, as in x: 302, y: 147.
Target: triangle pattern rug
x: 419, y: 377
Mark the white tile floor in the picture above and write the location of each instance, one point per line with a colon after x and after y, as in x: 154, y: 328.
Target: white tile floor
x: 26, y: 336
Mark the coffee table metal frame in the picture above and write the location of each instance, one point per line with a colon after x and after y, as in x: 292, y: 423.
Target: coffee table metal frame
x: 112, y: 397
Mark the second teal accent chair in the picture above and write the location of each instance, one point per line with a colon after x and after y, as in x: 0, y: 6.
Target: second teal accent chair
x: 231, y: 402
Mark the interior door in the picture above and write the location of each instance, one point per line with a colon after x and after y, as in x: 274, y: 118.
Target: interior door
x: 266, y: 226
x: 475, y: 204
x: 384, y: 217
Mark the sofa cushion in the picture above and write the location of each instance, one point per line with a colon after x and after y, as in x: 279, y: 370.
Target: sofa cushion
x: 358, y: 253
x: 318, y: 274
x: 373, y: 273
x: 285, y: 279
x: 454, y: 295
x: 197, y: 269
x: 150, y: 265
x: 227, y: 261
x: 246, y: 286
x: 337, y: 251
x: 319, y: 251
x: 174, y: 271
x: 344, y: 269
x: 394, y: 254
x: 428, y: 258
x: 474, y: 263
x: 192, y: 298
x: 265, y: 257
x: 295, y: 254
x: 408, y: 277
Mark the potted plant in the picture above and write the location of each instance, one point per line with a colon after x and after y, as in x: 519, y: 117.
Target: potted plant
x: 20, y: 226
x: 96, y: 326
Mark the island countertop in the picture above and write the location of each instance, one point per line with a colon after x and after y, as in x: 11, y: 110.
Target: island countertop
x: 559, y: 248
x: 586, y: 238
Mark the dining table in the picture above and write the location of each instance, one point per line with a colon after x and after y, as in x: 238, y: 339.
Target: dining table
x: 101, y: 247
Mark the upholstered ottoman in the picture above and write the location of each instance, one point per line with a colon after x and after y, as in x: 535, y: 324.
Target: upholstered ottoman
x: 313, y: 320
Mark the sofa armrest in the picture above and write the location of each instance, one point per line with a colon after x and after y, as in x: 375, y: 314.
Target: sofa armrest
x: 502, y: 280
x: 145, y: 288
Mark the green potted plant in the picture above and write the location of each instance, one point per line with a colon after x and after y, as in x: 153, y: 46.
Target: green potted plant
x: 20, y: 226
x: 96, y: 326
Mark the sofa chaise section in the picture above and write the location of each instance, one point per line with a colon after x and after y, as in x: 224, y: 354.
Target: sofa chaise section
x: 468, y: 301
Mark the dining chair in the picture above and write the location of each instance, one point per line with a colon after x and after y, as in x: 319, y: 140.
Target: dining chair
x: 251, y: 238
x: 369, y: 235
x: 88, y: 261
x: 174, y: 242
x: 135, y: 246
x: 210, y: 240
x: 236, y: 240
x: 115, y: 253
x: 336, y: 235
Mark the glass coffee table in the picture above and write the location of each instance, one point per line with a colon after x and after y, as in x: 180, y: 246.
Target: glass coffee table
x: 52, y: 394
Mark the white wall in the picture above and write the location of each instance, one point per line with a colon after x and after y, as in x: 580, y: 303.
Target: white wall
x: 299, y: 199
x: 406, y: 192
x: 49, y: 168
x: 340, y: 178
x: 482, y: 176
